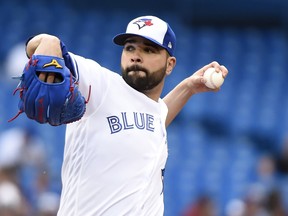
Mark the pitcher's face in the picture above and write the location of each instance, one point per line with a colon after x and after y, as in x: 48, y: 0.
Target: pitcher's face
x: 143, y: 63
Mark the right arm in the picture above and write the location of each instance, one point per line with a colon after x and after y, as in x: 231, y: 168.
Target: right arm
x: 44, y: 44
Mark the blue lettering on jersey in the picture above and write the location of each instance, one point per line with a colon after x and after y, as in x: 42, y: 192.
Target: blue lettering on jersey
x: 114, y: 123
x: 125, y: 122
x: 139, y: 121
x: 139, y: 124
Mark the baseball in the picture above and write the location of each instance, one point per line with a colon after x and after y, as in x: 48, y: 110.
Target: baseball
x: 214, y: 79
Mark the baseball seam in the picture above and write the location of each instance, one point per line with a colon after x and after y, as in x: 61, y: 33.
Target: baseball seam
x: 211, y: 80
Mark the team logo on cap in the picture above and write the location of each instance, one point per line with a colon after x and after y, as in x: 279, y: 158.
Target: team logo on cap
x: 143, y: 22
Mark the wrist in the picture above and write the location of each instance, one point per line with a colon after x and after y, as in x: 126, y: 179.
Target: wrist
x: 189, y: 86
x: 43, y: 44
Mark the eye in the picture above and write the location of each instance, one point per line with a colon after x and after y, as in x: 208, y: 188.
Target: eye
x: 129, y: 48
x: 149, y: 50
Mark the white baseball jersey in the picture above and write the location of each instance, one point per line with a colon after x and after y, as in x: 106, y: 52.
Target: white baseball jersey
x: 115, y: 155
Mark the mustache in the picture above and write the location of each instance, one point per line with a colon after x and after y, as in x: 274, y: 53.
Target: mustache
x: 136, y: 68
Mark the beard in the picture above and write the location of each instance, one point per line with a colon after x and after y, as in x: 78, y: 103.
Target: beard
x: 141, y: 79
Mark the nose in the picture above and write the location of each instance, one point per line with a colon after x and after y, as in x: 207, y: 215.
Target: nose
x: 136, y: 58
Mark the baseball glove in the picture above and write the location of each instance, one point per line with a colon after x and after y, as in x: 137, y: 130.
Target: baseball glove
x: 55, y: 103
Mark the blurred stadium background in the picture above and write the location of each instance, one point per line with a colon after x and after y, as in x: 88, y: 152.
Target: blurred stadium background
x: 217, y: 140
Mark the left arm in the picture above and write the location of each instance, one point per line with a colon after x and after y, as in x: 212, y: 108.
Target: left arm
x: 178, y: 97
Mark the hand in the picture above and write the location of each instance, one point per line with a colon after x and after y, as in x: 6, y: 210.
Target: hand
x: 47, y: 77
x: 50, y: 78
x: 196, y: 81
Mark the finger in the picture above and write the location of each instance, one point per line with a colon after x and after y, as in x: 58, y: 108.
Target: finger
x: 201, y: 71
x: 50, y: 78
x: 42, y: 76
x: 217, y: 66
x: 220, y: 68
x: 214, y: 64
x: 224, y: 70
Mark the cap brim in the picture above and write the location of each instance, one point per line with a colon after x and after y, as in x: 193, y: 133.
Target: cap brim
x: 120, y: 39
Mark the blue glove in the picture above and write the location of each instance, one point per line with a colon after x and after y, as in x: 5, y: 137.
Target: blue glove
x: 55, y: 103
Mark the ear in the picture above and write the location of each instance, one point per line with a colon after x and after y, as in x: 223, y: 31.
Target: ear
x: 171, y: 62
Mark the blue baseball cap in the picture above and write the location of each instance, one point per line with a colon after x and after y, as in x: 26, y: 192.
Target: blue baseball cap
x: 151, y: 28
